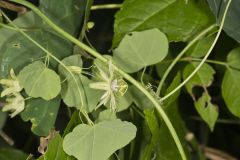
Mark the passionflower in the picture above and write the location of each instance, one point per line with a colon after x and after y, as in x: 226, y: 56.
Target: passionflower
x: 14, y: 101
x: 11, y: 85
x: 15, y: 104
x: 111, y: 83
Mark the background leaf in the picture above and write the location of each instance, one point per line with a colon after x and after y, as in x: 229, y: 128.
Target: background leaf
x: 39, y: 81
x: 231, y: 25
x: 17, y: 51
x: 90, y: 143
x: 132, y: 53
x: 42, y: 115
x: 178, y: 20
x: 12, y: 154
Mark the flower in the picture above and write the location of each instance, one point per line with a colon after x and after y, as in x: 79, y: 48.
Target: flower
x: 111, y: 84
x: 14, y: 104
x: 12, y: 85
x: 14, y: 101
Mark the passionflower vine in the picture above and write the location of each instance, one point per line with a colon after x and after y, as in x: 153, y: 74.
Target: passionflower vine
x: 14, y: 101
x: 112, y: 84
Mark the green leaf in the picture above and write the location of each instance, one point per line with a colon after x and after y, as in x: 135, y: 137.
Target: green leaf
x: 132, y: 53
x: 201, y: 47
x: 231, y: 90
x: 175, y: 82
x: 75, y: 90
x: 180, y: 21
x: 100, y: 141
x: 161, y: 142
x: 42, y: 115
x: 207, y: 110
x: 12, y: 154
x: 106, y: 115
x: 233, y: 58
x: 230, y: 83
x: 140, y: 99
x: 231, y: 24
x: 40, y: 81
x: 67, y: 14
x: 55, y: 150
x: 3, y: 118
x: 74, y: 121
x: 17, y: 51
x: 203, y: 77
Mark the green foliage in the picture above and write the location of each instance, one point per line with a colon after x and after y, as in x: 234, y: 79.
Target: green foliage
x: 11, y: 154
x: 132, y: 54
x: 42, y: 115
x: 231, y: 25
x: 98, y: 103
x: 138, y: 15
x: 87, y: 143
x: 36, y: 79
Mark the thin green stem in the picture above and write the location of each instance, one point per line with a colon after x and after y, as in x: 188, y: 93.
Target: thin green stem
x: 207, y: 61
x: 10, y: 27
x: 166, y: 73
x: 125, y: 75
x: 106, y: 6
x: 205, y: 57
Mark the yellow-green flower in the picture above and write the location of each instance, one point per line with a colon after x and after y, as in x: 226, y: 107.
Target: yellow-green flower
x: 111, y: 84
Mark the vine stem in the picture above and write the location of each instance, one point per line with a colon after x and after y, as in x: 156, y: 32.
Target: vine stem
x: 180, y: 55
x: 205, y: 57
x: 125, y: 75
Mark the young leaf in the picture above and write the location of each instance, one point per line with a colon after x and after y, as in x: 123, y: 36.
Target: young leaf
x: 42, y: 114
x: 207, y: 110
x: 55, y: 150
x: 40, y: 81
x: 106, y: 115
x: 180, y: 21
x: 100, y: 141
x: 203, y: 77
x: 132, y: 53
